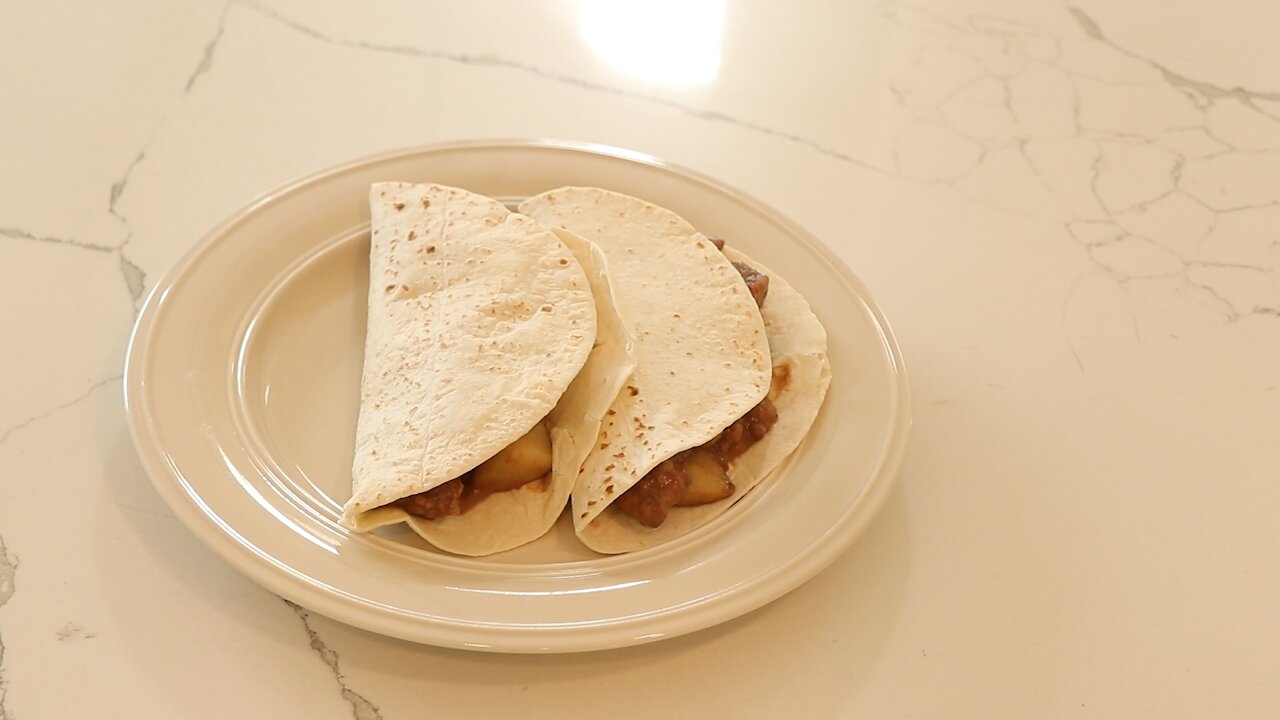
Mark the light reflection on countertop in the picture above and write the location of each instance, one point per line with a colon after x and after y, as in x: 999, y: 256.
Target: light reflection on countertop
x: 670, y: 42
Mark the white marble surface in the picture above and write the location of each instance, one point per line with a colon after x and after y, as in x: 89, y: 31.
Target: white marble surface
x: 1070, y: 213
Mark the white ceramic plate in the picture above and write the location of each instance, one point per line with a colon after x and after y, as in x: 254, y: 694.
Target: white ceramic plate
x: 242, y: 385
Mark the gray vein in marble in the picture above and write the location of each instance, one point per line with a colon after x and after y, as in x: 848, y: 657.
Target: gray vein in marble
x: 8, y: 584
x: 938, y: 30
x: 495, y: 61
x: 144, y: 511
x: 1095, y: 169
x: 1021, y: 145
x: 1236, y: 208
x: 1207, y: 90
x: 361, y: 708
x: 206, y: 60
x: 1228, y: 265
x: 1228, y: 309
x: 135, y: 279
x: 20, y: 234
x: 74, y: 631
x: 8, y: 570
x: 117, y: 187
x: 92, y: 388
x: 1066, y: 302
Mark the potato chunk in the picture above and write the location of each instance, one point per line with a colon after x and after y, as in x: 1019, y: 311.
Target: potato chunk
x: 707, y: 478
x: 524, y: 460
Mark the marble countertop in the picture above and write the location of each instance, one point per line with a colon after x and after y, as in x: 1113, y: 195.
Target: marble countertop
x: 1069, y: 212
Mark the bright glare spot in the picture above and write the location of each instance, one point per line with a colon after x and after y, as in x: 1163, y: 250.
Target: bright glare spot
x: 674, y: 42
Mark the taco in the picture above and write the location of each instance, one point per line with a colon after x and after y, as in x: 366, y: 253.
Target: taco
x: 731, y: 371
x: 479, y: 376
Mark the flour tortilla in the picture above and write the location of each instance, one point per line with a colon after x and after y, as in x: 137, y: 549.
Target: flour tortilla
x: 798, y: 343
x: 479, y: 319
x: 507, y: 519
x: 702, y: 357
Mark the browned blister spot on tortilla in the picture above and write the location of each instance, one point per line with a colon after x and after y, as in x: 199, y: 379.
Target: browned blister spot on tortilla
x: 398, y: 206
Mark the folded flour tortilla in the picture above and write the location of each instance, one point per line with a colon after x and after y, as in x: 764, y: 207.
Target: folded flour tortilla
x: 705, y: 355
x: 481, y: 324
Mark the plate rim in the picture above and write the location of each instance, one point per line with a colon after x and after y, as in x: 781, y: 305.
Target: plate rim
x: 697, y: 614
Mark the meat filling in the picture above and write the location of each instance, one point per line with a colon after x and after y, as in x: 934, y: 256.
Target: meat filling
x: 757, y: 282
x: 437, y: 502
x: 522, y: 462
x: 701, y: 475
